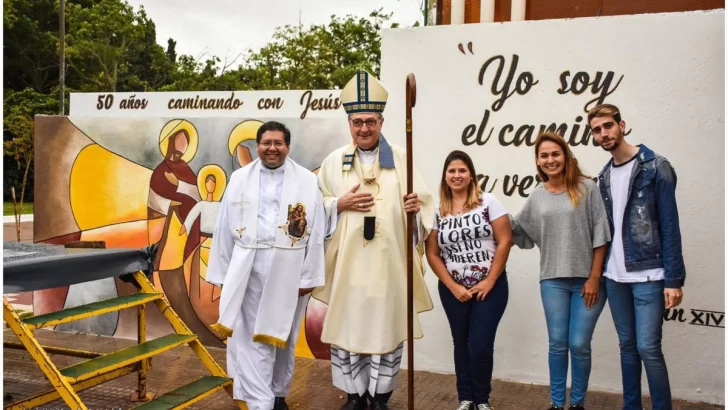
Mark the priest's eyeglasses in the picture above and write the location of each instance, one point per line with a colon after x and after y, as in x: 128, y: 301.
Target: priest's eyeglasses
x: 371, y: 123
x: 277, y: 144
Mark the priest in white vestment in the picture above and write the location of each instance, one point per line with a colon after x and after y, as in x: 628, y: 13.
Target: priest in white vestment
x: 364, y: 188
x: 267, y: 253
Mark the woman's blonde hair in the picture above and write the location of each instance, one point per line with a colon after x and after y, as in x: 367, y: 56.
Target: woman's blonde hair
x: 473, y: 198
x: 572, y: 173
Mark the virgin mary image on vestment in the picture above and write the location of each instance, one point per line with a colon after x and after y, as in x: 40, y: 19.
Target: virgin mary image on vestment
x: 297, y: 220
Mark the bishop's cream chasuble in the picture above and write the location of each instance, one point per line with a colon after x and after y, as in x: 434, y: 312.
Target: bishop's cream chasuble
x: 236, y: 241
x: 366, y: 279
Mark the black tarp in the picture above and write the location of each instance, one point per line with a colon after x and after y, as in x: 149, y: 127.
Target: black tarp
x: 29, y: 267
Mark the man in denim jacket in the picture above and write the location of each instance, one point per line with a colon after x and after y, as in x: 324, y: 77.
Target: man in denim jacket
x: 644, y: 269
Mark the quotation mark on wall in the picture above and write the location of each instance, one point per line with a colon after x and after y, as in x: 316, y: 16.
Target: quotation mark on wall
x: 470, y: 47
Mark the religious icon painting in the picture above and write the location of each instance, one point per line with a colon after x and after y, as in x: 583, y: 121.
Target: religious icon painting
x: 296, y: 224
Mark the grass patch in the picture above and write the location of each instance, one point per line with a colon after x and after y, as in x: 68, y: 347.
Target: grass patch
x: 8, y: 208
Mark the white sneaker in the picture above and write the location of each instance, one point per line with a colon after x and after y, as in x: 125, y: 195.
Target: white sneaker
x: 466, y: 405
x: 484, y: 407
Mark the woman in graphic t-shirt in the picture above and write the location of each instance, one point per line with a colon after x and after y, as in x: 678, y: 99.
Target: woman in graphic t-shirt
x: 566, y: 219
x: 467, y: 249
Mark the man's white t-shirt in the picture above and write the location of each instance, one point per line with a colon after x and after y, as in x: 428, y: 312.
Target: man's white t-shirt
x: 616, y: 270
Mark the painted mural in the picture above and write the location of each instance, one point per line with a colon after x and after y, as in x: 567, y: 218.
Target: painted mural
x: 133, y: 182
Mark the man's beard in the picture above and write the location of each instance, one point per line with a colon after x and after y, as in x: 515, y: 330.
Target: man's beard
x: 614, y: 146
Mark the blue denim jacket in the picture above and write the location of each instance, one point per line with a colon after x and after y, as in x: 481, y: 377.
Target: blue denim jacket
x: 651, y: 229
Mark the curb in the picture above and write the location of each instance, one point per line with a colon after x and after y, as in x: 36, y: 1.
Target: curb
x: 23, y: 218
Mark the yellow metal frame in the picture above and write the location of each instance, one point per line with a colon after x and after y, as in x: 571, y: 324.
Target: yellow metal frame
x: 66, y: 388
x: 146, y: 364
x: 60, y: 384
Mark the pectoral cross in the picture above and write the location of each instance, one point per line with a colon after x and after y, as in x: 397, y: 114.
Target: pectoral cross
x: 240, y: 232
x: 373, y: 181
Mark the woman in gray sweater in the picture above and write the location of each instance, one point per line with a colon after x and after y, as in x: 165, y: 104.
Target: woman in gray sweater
x: 566, y: 219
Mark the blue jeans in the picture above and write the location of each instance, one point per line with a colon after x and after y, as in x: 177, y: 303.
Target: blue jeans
x: 473, y: 325
x: 570, y: 325
x: 637, y: 310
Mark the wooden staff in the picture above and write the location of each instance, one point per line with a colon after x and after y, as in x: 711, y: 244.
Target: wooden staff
x: 411, y: 93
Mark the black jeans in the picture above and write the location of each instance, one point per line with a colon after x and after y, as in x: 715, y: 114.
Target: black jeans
x: 473, y: 325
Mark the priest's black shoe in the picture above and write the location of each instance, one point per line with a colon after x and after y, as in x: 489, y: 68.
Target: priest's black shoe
x: 280, y: 404
x: 355, y: 402
x: 379, y: 405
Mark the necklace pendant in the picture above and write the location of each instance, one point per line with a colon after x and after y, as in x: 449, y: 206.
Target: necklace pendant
x: 369, y: 181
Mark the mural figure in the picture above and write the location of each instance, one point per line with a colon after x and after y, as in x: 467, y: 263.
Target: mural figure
x: 173, y: 191
x: 206, y: 210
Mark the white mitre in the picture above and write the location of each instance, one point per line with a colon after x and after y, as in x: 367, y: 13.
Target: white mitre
x: 364, y: 93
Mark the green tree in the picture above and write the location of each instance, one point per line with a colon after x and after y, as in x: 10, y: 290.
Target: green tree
x: 31, y: 45
x: 319, y: 57
x: 193, y: 75
x: 110, y: 47
x: 171, y: 52
x: 18, y: 125
x: 20, y: 147
x: 30, y: 32
x: 150, y: 67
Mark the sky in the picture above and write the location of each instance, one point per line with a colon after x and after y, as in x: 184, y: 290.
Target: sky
x: 226, y: 28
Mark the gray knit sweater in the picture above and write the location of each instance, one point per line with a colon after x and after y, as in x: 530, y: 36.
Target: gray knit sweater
x: 565, y: 235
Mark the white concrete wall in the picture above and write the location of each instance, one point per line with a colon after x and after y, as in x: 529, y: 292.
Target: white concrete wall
x: 671, y: 96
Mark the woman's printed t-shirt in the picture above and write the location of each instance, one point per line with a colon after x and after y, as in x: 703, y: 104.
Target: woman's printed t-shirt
x: 467, y: 244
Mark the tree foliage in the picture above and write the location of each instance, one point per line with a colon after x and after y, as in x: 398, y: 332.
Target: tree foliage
x: 320, y: 57
x: 18, y: 124
x: 111, y: 47
x: 30, y: 33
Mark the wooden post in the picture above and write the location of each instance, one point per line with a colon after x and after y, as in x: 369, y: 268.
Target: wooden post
x: 411, y: 93
x: 446, y: 6
x: 472, y: 11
